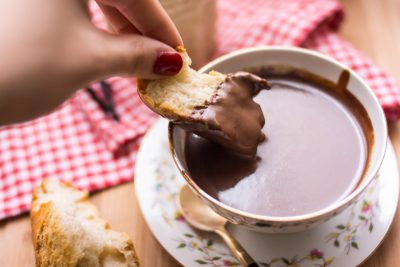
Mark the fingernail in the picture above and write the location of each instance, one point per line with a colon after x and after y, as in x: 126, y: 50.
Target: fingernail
x: 168, y: 63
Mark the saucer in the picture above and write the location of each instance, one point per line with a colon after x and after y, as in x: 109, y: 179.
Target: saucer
x: 344, y: 241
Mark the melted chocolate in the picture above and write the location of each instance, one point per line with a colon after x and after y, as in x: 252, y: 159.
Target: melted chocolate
x: 319, y: 136
x: 232, y: 118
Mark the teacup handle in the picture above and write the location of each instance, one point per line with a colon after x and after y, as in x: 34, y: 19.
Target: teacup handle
x: 237, y: 250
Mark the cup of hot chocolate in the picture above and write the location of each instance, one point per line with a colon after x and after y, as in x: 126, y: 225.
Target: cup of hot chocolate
x: 326, y: 137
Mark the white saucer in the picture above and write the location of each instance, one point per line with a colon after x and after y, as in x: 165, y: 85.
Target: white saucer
x: 344, y: 241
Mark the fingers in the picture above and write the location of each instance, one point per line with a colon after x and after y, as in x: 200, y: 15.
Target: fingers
x: 149, y: 17
x: 152, y: 20
x: 118, y: 22
x: 136, y: 55
x: 149, y: 56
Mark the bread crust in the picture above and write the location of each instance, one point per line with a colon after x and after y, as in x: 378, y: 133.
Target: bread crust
x: 179, y: 110
x: 167, y: 111
x: 60, y: 239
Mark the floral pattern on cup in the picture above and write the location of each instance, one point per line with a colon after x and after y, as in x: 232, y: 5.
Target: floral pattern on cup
x: 361, y: 216
x: 260, y: 223
x: 343, y: 237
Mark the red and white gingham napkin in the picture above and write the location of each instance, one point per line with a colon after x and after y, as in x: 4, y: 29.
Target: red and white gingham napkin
x: 79, y: 143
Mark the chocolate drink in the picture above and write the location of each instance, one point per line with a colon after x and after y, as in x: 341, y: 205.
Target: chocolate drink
x: 316, y: 150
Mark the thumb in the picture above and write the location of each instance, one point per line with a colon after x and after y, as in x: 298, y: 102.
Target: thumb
x: 137, y: 55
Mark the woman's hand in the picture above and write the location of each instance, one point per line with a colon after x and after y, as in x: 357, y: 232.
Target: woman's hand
x: 50, y: 48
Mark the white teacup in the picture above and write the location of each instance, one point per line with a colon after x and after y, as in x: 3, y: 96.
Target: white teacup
x: 322, y: 66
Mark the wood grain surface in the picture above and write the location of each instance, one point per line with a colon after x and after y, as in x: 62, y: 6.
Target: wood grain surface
x: 372, y: 26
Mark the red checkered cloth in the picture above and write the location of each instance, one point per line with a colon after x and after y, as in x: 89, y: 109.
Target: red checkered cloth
x: 79, y: 143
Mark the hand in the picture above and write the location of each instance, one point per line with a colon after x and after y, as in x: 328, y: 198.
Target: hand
x: 50, y: 48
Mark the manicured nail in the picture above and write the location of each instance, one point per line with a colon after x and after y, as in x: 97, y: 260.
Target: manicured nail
x: 168, y: 63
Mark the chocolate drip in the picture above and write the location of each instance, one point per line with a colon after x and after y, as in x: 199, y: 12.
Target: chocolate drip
x: 343, y: 81
x: 232, y: 119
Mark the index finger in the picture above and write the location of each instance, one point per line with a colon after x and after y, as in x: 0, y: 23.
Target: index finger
x: 150, y: 18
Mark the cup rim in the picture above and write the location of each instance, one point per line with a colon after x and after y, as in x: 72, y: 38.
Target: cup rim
x: 297, y: 218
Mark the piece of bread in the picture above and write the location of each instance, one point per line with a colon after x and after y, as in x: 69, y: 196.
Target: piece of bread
x: 68, y: 232
x: 176, y: 97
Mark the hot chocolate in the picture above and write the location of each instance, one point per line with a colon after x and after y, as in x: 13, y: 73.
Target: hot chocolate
x: 318, y: 138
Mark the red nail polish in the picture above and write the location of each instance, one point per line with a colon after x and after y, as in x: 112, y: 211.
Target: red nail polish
x: 168, y: 63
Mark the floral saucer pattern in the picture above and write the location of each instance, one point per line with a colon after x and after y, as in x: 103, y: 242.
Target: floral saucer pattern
x: 345, y: 241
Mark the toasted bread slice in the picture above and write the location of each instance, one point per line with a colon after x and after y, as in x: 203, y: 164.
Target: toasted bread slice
x: 176, y: 97
x: 68, y: 232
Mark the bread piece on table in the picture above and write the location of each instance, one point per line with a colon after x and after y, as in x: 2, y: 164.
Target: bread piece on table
x: 176, y: 97
x: 67, y: 231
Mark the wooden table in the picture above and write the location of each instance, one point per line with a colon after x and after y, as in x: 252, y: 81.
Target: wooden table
x: 372, y: 26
